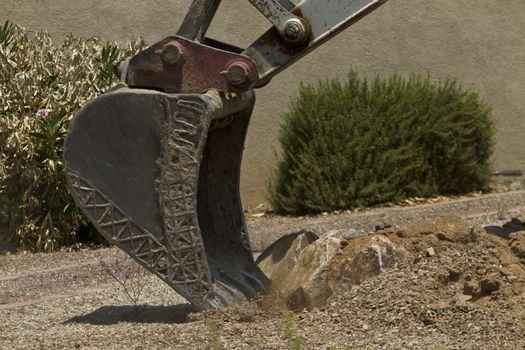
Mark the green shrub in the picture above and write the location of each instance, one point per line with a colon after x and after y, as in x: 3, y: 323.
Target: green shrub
x: 214, y: 329
x: 295, y: 341
x: 358, y: 143
x: 42, y: 86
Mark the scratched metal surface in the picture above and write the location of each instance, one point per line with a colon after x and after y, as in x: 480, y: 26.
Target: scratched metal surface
x: 326, y: 18
x: 276, y: 12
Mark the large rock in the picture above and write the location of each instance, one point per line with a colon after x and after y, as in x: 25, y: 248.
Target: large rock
x: 304, y: 271
x: 279, y: 259
x: 307, y: 284
x: 297, y: 266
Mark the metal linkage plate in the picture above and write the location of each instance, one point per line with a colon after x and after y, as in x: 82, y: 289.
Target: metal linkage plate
x: 325, y: 18
x: 176, y: 64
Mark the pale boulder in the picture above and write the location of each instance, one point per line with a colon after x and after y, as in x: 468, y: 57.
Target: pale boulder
x: 279, y: 259
x: 304, y: 272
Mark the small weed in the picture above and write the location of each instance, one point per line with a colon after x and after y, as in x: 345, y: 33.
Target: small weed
x: 108, y: 57
x: 6, y: 34
x: 296, y: 342
x: 215, y: 341
x: 132, y: 277
x: 503, y: 211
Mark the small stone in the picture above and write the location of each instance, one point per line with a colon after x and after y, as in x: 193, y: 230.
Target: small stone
x: 489, y: 284
x: 470, y: 288
x: 512, y: 278
x: 346, y: 234
x: 430, y: 252
x: 463, y: 297
x: 382, y: 227
x: 517, y: 244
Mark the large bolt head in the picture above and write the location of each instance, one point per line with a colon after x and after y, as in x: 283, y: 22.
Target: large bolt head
x: 240, y: 73
x: 236, y: 74
x: 295, y: 31
x: 172, y: 54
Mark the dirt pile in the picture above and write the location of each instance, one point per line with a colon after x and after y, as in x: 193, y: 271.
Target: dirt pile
x: 458, y: 287
x: 459, y: 263
x: 454, y: 286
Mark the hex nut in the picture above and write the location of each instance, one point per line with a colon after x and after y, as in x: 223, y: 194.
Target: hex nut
x: 236, y: 74
x: 295, y: 31
x: 172, y: 54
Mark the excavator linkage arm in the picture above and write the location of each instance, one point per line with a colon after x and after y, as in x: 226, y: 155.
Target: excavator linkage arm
x: 155, y: 162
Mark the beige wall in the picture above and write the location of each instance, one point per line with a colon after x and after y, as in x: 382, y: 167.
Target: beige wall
x: 481, y: 42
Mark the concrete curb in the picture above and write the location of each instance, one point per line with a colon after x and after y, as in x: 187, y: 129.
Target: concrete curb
x: 485, y: 210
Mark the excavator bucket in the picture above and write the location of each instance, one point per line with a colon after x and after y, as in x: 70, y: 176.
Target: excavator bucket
x: 158, y: 175
x: 155, y: 163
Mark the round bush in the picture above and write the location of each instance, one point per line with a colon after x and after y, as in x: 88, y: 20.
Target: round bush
x: 358, y: 143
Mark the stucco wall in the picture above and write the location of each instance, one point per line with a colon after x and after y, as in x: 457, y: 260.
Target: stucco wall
x: 481, y: 42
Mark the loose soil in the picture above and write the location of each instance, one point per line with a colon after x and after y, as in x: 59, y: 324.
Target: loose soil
x: 458, y: 286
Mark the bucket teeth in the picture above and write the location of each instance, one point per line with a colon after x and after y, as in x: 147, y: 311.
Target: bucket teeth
x: 156, y: 181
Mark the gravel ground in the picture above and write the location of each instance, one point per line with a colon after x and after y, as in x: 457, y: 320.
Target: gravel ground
x: 70, y: 300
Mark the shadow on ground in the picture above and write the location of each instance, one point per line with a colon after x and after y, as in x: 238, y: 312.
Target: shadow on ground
x: 108, y: 315
x: 504, y: 231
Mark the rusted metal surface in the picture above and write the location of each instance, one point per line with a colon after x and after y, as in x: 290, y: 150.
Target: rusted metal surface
x: 179, y: 65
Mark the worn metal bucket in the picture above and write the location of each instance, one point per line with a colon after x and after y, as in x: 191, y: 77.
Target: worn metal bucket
x: 158, y: 176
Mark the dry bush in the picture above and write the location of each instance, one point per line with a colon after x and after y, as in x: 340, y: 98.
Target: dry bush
x: 42, y: 85
x: 131, y: 277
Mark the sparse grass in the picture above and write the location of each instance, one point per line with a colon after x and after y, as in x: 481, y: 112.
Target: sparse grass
x: 295, y: 341
x: 108, y: 57
x: 503, y: 211
x: 214, y: 329
x: 6, y: 34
